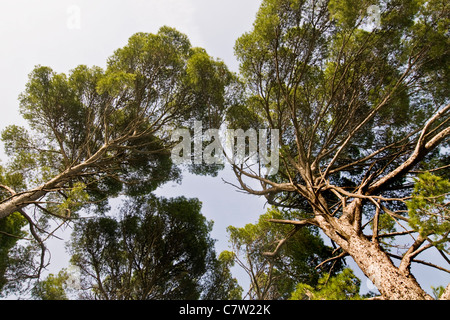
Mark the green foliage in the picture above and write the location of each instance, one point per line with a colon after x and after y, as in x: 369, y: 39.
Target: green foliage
x: 348, y: 13
x: 358, y: 107
x: 343, y: 286
x: 74, y: 115
x: 114, y: 82
x: 75, y: 199
x: 437, y: 291
x: 428, y: 209
x: 213, y: 87
x: 11, y: 227
x: 94, y: 134
x: 312, y: 71
x: 219, y: 283
x: 156, y: 249
x: 157, y: 81
x: 10, y: 232
x: 276, y: 277
x: 24, y: 157
x: 52, y: 288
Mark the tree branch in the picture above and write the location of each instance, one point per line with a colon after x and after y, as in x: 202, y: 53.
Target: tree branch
x: 341, y: 255
x: 419, y: 261
x: 297, y: 226
x: 295, y: 222
x: 422, y: 148
x: 39, y: 241
x: 282, y: 242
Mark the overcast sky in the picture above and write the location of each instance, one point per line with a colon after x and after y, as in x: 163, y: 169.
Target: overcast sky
x: 63, y: 34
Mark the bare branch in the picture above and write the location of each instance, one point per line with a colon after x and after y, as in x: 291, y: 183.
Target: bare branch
x: 419, y: 261
x: 38, y: 239
x: 9, y: 189
x: 393, y: 234
x: 294, y: 222
x: 297, y: 226
x: 340, y: 256
x: 412, y: 252
x: 14, y: 236
x: 432, y: 170
x: 367, y: 119
x: 422, y: 148
x: 275, y: 187
x: 282, y: 242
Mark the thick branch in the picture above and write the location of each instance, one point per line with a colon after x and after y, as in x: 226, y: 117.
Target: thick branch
x: 421, y: 150
x: 412, y: 252
x: 9, y: 189
x: 19, y: 201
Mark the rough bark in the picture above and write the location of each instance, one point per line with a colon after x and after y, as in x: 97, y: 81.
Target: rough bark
x: 373, y: 261
x: 446, y: 294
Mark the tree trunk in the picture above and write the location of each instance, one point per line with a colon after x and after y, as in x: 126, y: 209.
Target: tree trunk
x: 373, y: 261
x: 446, y: 294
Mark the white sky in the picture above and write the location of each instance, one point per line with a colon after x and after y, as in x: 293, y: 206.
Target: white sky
x: 46, y: 32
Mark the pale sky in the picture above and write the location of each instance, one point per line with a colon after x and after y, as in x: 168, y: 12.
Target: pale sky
x: 62, y: 34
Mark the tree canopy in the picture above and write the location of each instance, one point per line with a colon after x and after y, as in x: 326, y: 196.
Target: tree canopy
x: 358, y: 94
x: 275, y: 277
x: 158, y: 249
x: 96, y: 134
x: 362, y: 109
